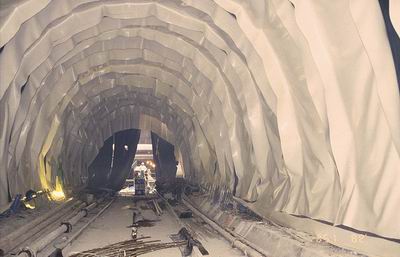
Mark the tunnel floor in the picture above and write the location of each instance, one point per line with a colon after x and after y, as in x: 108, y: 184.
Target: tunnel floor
x: 113, y: 226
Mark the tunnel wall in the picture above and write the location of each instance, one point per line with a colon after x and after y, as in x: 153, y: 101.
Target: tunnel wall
x: 292, y: 105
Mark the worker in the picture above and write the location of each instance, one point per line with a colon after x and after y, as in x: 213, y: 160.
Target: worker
x: 140, y: 183
x: 142, y: 170
x: 150, y: 181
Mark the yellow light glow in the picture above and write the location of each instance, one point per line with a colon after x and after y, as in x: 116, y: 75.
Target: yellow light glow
x: 45, y: 171
x: 58, y: 193
x: 27, y: 205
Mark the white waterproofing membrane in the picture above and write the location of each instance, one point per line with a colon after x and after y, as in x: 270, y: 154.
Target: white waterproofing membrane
x: 292, y: 105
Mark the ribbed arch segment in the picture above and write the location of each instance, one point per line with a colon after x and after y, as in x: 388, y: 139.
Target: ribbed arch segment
x: 297, y: 99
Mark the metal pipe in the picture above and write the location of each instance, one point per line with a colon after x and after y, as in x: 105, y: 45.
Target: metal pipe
x: 236, y: 241
x: 76, y: 234
x: 65, y: 227
x: 12, y: 240
x: 23, y: 234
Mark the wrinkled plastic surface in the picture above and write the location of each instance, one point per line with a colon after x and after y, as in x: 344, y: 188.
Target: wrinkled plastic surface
x: 293, y: 106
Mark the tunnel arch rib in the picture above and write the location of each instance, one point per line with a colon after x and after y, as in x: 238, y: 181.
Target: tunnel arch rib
x: 263, y: 88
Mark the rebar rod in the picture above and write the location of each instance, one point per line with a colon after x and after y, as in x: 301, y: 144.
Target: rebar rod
x: 129, y: 248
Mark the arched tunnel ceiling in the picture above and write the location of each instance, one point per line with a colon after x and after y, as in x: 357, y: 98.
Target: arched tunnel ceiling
x: 296, y: 101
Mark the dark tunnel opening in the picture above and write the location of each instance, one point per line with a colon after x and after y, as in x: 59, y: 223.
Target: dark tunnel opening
x: 120, y: 159
x: 112, y: 164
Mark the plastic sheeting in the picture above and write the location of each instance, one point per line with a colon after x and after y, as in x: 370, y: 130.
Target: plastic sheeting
x: 113, y: 163
x: 292, y: 105
x: 164, y: 159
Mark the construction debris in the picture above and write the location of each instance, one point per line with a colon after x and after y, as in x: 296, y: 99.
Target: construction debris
x: 185, y: 235
x: 130, y: 248
x: 185, y: 214
x: 157, y: 207
x: 139, y: 221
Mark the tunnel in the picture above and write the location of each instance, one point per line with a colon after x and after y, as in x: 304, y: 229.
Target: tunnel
x: 288, y: 109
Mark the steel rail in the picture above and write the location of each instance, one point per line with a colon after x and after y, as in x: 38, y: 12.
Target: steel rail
x: 236, y: 241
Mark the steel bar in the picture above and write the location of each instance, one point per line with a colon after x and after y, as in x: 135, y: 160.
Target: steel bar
x: 236, y: 241
x: 129, y: 248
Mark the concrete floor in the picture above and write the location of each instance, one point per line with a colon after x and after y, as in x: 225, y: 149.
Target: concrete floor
x: 111, y: 227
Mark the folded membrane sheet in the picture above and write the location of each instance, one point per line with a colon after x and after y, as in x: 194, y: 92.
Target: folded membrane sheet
x: 292, y: 105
